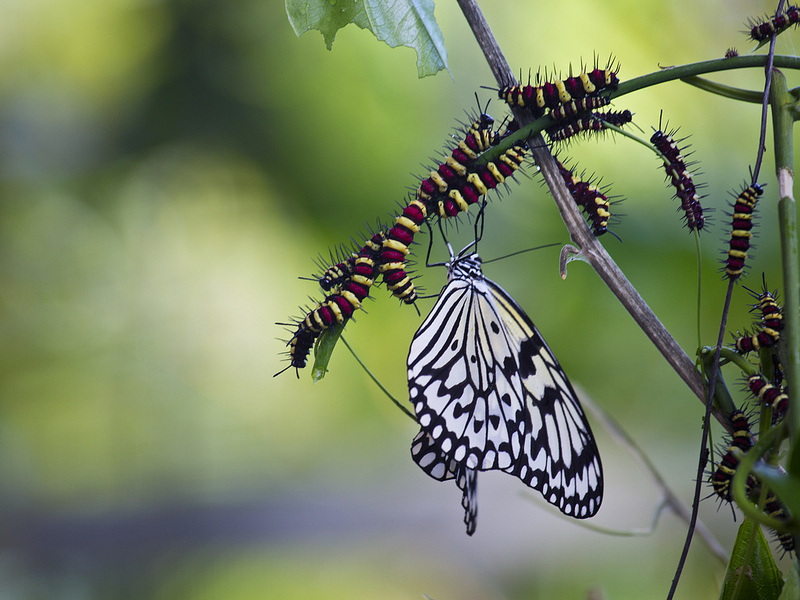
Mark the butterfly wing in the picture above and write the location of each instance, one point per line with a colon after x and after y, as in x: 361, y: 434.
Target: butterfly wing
x: 434, y: 463
x: 491, y: 394
x: 559, y: 456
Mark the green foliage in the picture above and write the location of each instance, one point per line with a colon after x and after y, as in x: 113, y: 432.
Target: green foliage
x: 323, y: 350
x: 786, y: 487
x: 401, y: 23
x: 791, y: 587
x: 751, y: 573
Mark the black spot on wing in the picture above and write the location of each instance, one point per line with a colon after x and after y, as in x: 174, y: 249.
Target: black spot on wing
x: 528, y: 349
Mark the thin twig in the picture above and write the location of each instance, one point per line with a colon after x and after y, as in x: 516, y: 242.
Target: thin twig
x: 712, y: 382
x: 670, y: 499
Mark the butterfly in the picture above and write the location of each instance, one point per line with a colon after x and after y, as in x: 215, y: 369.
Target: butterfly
x: 489, y: 394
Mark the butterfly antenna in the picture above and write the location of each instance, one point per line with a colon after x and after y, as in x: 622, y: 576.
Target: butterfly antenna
x: 430, y: 245
x: 441, y: 230
x: 428, y: 262
x: 521, y: 252
x: 479, y: 222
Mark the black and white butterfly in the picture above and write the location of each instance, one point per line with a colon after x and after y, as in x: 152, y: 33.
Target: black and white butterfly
x: 490, y: 395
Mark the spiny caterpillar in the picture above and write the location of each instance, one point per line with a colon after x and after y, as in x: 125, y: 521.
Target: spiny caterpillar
x: 578, y: 107
x: 771, y: 321
x: 761, y: 30
x: 338, y: 306
x: 457, y: 183
x: 595, y: 204
x: 595, y: 121
x: 456, y: 193
x: 337, y: 274
x: 680, y: 177
x: 769, y: 395
x: 775, y: 509
x: 537, y: 99
x: 742, y: 441
x: 740, y: 230
x: 395, y: 249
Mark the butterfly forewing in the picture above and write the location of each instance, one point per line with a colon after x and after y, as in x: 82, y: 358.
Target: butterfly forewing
x: 491, y: 395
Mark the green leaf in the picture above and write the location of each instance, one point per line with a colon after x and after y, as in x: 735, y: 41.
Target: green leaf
x: 323, y: 350
x: 791, y: 590
x: 398, y: 23
x: 751, y: 574
x: 328, y: 16
x: 786, y: 487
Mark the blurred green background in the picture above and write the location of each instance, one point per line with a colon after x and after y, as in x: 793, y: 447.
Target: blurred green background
x: 167, y: 171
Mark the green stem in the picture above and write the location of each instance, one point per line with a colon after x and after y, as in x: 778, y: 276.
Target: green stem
x: 726, y: 91
x: 700, y: 68
x: 738, y: 485
x: 780, y: 101
x: 782, y: 120
x: 723, y: 402
x: 644, y: 81
x: 377, y: 382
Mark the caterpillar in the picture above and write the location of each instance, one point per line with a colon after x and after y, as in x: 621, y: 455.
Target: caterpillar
x: 761, y: 30
x: 577, y: 107
x: 775, y: 509
x: 394, y: 250
x: 479, y: 137
x: 299, y: 347
x: 536, y: 99
x: 592, y: 201
x: 772, y: 321
x: 742, y: 441
x: 337, y: 307
x: 740, y: 230
x: 592, y: 122
x: 680, y: 177
x: 337, y: 274
x: 769, y: 395
x: 454, y: 192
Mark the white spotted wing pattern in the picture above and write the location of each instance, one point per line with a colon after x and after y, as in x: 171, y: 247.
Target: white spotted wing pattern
x: 430, y: 460
x: 490, y: 395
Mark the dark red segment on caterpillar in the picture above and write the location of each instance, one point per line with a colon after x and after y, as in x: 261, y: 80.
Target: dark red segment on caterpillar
x: 395, y: 249
x: 337, y: 274
x: 769, y: 395
x: 537, y: 99
x: 479, y: 137
x: 681, y: 179
x: 761, y: 30
x: 578, y: 107
x: 592, y: 122
x: 455, y: 187
x: 593, y: 202
x: 742, y: 441
x: 771, y: 322
x: 740, y: 230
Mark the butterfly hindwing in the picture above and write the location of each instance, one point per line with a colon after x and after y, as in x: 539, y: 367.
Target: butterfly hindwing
x: 427, y: 456
x: 490, y: 394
